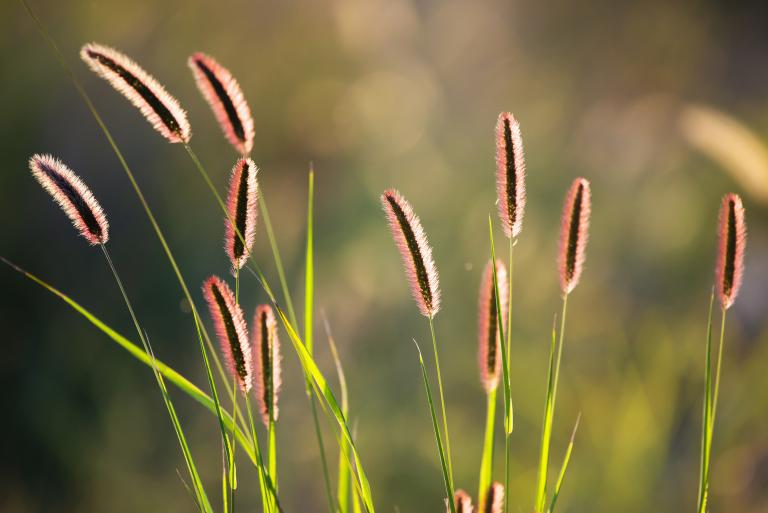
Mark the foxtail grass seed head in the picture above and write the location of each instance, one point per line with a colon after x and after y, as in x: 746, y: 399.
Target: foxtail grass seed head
x: 510, y: 174
x: 266, y: 346
x: 462, y: 501
x: 414, y: 249
x: 494, y: 499
x: 489, y: 338
x: 73, y: 196
x: 242, y: 201
x: 223, y: 94
x: 160, y: 108
x: 732, y: 240
x: 231, y: 330
x: 574, y: 232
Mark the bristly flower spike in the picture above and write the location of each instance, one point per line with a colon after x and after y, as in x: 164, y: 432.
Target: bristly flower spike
x: 73, y: 196
x: 510, y: 174
x: 489, y: 339
x: 160, y: 108
x: 494, y: 499
x: 574, y: 232
x: 223, y: 94
x: 732, y: 240
x: 415, y: 251
x: 242, y: 201
x: 266, y: 346
x: 231, y: 330
x: 463, y: 502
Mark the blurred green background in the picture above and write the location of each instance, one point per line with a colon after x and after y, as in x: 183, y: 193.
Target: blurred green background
x: 662, y: 105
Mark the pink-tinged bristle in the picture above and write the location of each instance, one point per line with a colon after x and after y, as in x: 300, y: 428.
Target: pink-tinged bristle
x: 242, y: 201
x: 266, y: 346
x: 223, y: 94
x: 462, y: 502
x: 489, y: 339
x: 231, y: 330
x: 574, y: 232
x: 732, y: 240
x: 494, y: 499
x: 160, y: 108
x: 412, y: 243
x: 510, y: 174
x: 73, y: 196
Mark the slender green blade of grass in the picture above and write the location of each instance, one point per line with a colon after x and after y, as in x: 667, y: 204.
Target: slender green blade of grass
x: 508, y: 409
x: 201, y: 497
x: 706, y: 415
x: 546, y: 429
x: 270, y: 501
x: 343, y: 480
x: 564, y: 466
x: 309, y: 274
x: 134, y: 350
x: 438, y: 438
x: 324, y: 391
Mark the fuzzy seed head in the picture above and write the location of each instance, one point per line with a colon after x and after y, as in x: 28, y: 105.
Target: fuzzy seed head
x: 574, y: 232
x: 223, y: 94
x: 159, y: 108
x: 73, y: 196
x: 494, y: 499
x: 489, y: 338
x: 266, y: 346
x: 231, y: 330
x: 414, y: 249
x: 510, y: 174
x: 462, y: 501
x: 732, y: 241
x: 242, y: 202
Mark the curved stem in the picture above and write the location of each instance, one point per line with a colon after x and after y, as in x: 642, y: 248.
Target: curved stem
x: 442, y: 405
x: 546, y: 433
x: 191, y: 467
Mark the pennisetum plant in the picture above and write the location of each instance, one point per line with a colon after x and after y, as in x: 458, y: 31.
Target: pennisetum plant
x: 266, y: 347
x: 510, y: 197
x: 159, y: 108
x: 462, y: 502
x: 493, y: 500
x: 162, y: 110
x: 490, y: 356
x: 420, y: 269
x: 574, y: 232
x: 79, y: 204
x: 223, y: 93
x: 729, y: 272
x: 232, y: 332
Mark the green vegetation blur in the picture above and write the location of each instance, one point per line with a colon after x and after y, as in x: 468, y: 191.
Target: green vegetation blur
x: 662, y: 105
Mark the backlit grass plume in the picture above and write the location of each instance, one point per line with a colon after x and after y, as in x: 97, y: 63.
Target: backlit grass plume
x: 493, y: 502
x: 414, y: 250
x: 462, y: 501
x: 266, y: 347
x: 574, y: 232
x: 160, y: 108
x: 489, y: 340
x: 242, y: 202
x: 231, y: 330
x: 510, y: 174
x: 732, y: 239
x: 73, y: 196
x: 223, y: 94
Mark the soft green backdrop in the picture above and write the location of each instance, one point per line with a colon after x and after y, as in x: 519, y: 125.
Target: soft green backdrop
x: 662, y: 105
